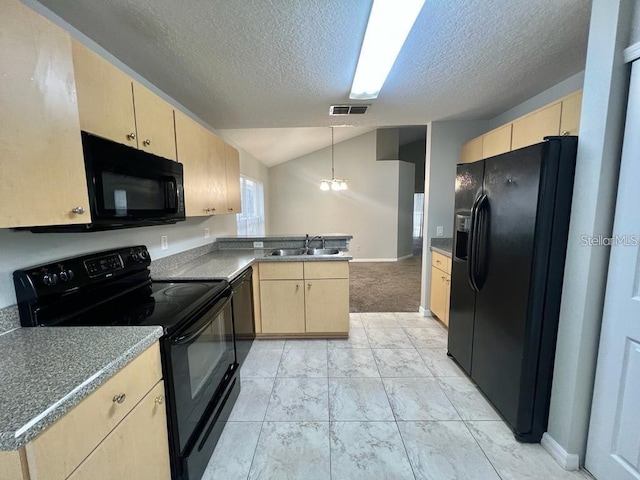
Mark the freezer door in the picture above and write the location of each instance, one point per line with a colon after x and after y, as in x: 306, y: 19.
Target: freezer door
x: 461, y: 313
x: 508, y: 218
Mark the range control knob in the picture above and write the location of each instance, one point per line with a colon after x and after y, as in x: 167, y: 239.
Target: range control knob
x: 50, y: 279
x: 66, y: 275
x: 135, y: 257
x: 143, y: 255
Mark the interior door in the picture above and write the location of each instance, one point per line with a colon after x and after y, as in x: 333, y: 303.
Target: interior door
x: 613, y: 449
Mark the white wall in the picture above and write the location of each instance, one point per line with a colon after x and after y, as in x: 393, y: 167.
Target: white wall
x: 444, y: 140
x: 406, y: 182
x: 368, y: 210
x: 549, y: 95
x: 599, y: 149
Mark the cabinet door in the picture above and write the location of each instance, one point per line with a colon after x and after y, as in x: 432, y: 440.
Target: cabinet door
x: 217, y: 175
x: 570, y: 119
x: 447, y: 299
x: 154, y: 121
x: 282, y: 306
x: 193, y: 152
x: 232, y: 161
x: 496, y: 142
x: 533, y: 128
x: 471, y: 151
x: 327, y: 305
x: 41, y: 161
x: 105, y: 98
x: 438, y: 293
x: 137, y: 448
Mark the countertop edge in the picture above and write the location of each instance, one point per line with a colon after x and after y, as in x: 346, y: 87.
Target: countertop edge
x: 446, y: 253
x: 10, y: 441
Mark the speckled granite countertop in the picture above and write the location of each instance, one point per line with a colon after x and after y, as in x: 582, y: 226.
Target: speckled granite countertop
x: 228, y: 264
x: 44, y: 372
x: 442, y: 245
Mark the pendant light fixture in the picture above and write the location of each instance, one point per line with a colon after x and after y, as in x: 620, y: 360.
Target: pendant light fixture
x: 334, y: 183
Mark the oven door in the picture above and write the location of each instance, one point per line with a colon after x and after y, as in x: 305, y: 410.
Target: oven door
x: 202, y: 361
x: 127, y: 185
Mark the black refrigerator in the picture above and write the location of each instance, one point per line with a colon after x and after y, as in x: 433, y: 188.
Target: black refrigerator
x: 511, y: 225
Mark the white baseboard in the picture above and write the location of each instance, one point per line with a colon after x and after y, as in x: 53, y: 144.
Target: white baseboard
x: 405, y: 257
x: 375, y: 259
x: 426, y: 313
x: 568, y: 461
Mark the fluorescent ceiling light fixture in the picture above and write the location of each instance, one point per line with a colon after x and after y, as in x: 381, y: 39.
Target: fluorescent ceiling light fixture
x: 390, y: 21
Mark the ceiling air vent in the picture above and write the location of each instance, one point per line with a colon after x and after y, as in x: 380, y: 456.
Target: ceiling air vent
x: 347, y: 109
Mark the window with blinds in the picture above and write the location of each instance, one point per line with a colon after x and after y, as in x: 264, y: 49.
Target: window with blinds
x: 251, y: 220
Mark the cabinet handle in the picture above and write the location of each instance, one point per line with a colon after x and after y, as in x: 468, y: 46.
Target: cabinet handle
x: 443, y: 279
x: 146, y: 142
x: 131, y: 136
x: 230, y: 209
x: 213, y: 209
x: 78, y: 210
x: 564, y: 133
x: 438, y: 262
x: 309, y: 285
x: 206, y: 210
x: 119, y: 398
x: 160, y: 400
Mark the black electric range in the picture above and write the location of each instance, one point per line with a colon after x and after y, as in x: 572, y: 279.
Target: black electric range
x: 113, y: 288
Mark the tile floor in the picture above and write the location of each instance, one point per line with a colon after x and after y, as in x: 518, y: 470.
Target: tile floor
x: 385, y: 404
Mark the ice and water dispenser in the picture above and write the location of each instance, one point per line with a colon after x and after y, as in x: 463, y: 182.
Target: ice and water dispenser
x: 462, y: 226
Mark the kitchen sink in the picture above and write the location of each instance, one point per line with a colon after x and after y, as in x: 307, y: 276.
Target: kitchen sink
x: 323, y: 251
x: 287, y: 252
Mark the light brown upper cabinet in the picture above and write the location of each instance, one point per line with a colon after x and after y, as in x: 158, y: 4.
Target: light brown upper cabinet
x: 105, y: 99
x: 471, y: 151
x: 217, y: 175
x: 154, y: 122
x: 192, y: 142
x: 113, y: 106
x: 559, y: 118
x: 570, y: 119
x: 211, y: 170
x: 41, y: 162
x: 232, y: 162
x: 496, y: 142
x: 532, y: 129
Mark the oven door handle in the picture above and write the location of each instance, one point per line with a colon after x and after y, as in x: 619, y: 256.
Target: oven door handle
x: 187, y: 337
x: 190, y: 336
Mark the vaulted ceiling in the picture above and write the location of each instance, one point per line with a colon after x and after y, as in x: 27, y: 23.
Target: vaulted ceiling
x: 253, y: 64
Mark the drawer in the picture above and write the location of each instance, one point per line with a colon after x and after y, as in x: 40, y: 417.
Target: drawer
x: 57, y: 451
x: 441, y: 262
x: 281, y: 271
x: 330, y: 269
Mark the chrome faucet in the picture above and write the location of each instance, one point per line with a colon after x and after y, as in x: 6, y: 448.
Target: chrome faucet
x: 308, y: 240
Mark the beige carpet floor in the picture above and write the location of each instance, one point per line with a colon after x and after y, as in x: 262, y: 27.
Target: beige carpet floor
x: 385, y: 286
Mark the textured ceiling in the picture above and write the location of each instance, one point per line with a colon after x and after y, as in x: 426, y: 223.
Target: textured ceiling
x: 242, y: 64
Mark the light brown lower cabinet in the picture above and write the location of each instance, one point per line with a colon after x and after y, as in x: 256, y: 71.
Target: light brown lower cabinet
x: 117, y: 432
x: 298, y: 298
x: 137, y: 448
x: 440, y: 286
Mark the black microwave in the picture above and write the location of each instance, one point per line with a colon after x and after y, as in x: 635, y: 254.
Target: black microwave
x: 127, y: 187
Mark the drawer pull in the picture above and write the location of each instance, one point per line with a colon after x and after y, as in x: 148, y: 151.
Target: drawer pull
x: 160, y: 400
x: 119, y: 398
x: 438, y: 262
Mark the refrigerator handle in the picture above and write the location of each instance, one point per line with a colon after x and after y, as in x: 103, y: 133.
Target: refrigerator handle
x: 471, y: 249
x: 479, y: 243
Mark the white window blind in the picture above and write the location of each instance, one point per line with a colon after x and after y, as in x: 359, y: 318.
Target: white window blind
x: 418, y: 214
x: 251, y: 220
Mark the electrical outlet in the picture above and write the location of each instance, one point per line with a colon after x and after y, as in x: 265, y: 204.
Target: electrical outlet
x: 164, y: 242
x: 440, y: 231
x: 258, y: 244
x: 206, y: 233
